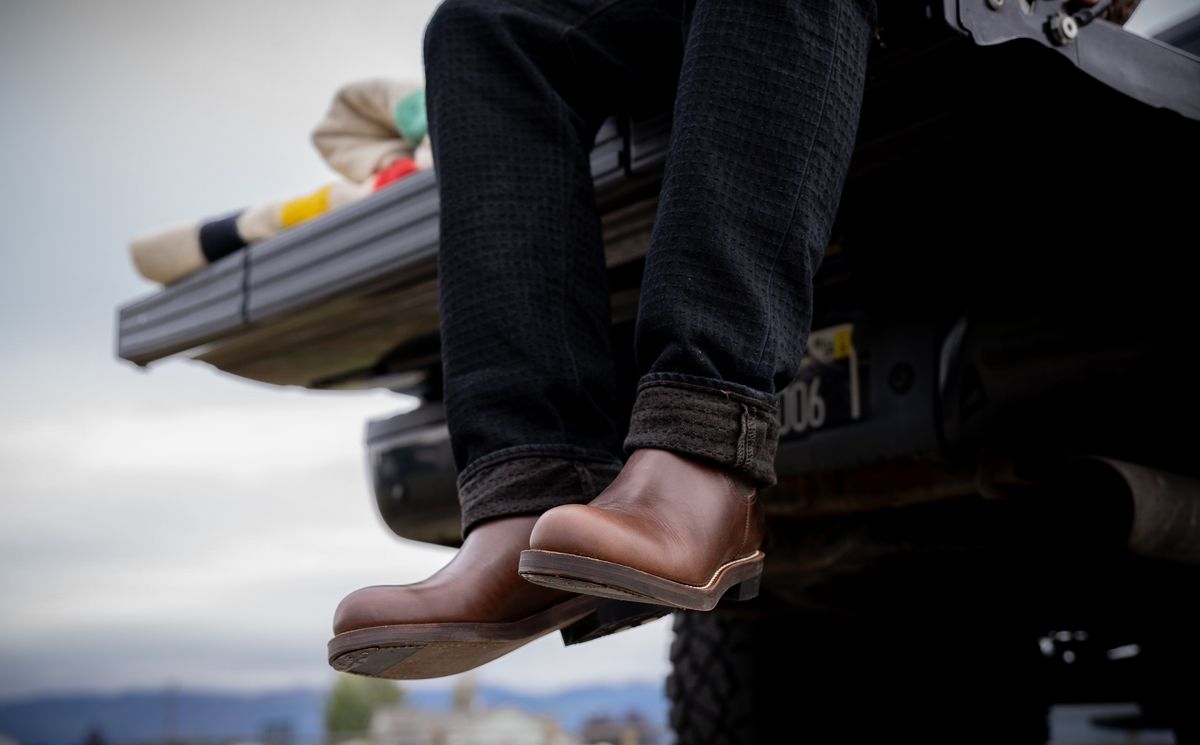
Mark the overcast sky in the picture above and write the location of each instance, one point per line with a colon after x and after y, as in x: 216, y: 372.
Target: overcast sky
x: 180, y: 525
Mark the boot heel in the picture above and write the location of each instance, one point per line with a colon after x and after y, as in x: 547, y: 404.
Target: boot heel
x: 612, y: 616
x: 745, y: 590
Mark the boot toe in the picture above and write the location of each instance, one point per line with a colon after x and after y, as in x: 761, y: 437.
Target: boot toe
x: 364, y: 608
x: 569, y: 529
x: 584, y: 530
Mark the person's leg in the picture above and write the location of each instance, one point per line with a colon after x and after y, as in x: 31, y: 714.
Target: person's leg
x: 765, y: 120
x: 516, y: 90
x: 764, y: 125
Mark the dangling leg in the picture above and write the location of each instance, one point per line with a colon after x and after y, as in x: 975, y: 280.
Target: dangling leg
x: 765, y: 118
x: 516, y: 91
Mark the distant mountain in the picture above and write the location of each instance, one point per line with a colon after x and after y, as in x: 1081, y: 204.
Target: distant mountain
x: 156, y: 716
x: 204, y: 716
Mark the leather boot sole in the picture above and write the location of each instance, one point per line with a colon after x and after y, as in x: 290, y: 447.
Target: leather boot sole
x: 433, y: 650
x: 588, y: 576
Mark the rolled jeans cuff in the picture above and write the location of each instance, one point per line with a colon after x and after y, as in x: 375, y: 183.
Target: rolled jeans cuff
x: 725, y: 423
x: 530, y: 479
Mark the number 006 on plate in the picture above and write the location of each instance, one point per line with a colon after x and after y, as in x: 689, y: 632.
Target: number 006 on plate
x: 826, y: 392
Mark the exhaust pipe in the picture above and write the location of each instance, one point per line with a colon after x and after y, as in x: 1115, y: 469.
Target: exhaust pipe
x: 1161, y: 509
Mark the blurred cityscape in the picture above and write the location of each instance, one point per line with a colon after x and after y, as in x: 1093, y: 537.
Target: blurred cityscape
x: 364, y: 711
x: 354, y: 711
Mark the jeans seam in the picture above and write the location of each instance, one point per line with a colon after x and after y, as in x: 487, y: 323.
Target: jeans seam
x: 770, y: 304
x: 748, y: 433
x: 585, y: 478
x: 740, y: 456
x: 574, y: 27
x: 564, y: 126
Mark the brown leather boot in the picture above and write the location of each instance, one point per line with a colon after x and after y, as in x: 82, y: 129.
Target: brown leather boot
x: 668, y: 530
x: 473, y: 610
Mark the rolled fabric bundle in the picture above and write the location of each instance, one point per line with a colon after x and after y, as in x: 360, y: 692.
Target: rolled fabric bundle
x: 409, y: 117
x: 169, y: 255
x: 359, y: 135
x: 424, y: 155
x: 261, y: 222
x: 305, y: 208
x: 374, y: 133
x: 327, y: 198
x: 395, y: 172
x: 220, y: 237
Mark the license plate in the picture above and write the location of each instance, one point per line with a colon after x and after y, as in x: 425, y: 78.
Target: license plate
x: 826, y: 393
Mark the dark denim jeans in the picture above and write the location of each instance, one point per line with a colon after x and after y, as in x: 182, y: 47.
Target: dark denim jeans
x: 766, y: 102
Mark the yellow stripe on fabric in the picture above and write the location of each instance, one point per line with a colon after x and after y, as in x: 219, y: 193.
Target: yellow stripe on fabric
x: 305, y: 208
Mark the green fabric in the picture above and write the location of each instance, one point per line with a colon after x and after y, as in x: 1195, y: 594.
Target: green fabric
x: 410, y: 117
